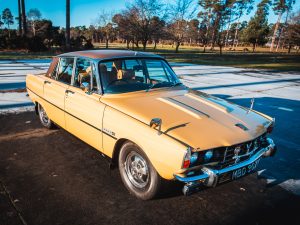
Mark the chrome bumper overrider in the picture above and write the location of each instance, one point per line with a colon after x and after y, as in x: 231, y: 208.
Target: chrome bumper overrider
x: 209, y: 177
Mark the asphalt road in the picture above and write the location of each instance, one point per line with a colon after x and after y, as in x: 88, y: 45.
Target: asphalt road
x: 50, y: 177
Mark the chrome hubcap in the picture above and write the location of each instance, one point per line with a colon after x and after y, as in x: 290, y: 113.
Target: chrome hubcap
x: 137, y: 170
x: 43, y: 115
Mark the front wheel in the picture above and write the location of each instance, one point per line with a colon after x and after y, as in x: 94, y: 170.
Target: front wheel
x: 137, y: 173
x: 45, y: 121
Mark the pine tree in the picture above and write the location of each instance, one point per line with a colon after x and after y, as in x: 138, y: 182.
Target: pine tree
x: 257, y: 30
x: 7, y: 17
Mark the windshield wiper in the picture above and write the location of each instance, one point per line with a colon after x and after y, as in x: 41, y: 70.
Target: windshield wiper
x: 157, y: 84
x: 176, y: 84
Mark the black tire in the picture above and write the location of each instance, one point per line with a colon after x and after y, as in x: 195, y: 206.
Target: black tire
x: 45, y: 120
x: 139, y: 176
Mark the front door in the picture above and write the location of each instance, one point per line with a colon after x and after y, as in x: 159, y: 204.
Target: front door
x: 83, y: 110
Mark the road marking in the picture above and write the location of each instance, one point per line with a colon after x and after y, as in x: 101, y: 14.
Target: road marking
x: 291, y: 185
x: 285, y: 109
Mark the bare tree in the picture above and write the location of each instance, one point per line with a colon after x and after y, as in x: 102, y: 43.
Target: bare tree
x: 105, y: 25
x: 182, y: 11
x: 142, y: 18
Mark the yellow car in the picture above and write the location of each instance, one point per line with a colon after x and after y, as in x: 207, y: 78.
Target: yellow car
x: 133, y: 109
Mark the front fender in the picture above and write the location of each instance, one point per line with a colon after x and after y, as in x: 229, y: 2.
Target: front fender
x: 165, y: 153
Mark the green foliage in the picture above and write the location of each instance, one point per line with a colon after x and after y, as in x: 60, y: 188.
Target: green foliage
x: 7, y: 17
x: 257, y: 30
x: 281, y: 6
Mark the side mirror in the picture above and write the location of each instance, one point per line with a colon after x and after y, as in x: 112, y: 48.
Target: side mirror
x: 156, y: 122
x: 85, y: 86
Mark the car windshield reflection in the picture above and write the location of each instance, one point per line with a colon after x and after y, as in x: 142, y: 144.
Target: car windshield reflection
x: 136, y: 74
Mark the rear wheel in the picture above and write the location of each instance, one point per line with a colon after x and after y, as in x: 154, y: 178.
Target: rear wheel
x: 137, y: 173
x: 45, y: 121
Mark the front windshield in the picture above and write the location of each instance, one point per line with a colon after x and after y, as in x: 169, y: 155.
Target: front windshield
x: 127, y: 75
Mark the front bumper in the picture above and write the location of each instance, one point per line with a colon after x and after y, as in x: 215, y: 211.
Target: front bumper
x: 209, y: 177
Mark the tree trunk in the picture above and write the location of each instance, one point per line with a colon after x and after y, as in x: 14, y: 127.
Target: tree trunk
x: 212, y: 40
x: 155, y: 42
x: 8, y: 30
x: 33, y: 28
x: 290, y: 47
x: 279, y: 39
x: 227, y: 35
x: 235, y: 34
x: 19, y: 17
x: 127, y: 44
x: 254, y: 45
x: 67, y: 24
x: 137, y: 44
x: 275, y: 31
x: 106, y: 42
x: 204, y: 48
x: 24, y: 23
x: 144, y: 45
x: 220, y: 46
x: 177, y: 46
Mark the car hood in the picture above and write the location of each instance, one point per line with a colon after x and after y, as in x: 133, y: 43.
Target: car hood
x: 197, y: 119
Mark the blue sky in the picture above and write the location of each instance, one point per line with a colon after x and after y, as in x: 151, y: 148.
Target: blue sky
x: 84, y: 12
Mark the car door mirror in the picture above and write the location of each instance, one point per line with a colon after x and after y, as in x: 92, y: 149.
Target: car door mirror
x: 156, y: 124
x: 85, y: 86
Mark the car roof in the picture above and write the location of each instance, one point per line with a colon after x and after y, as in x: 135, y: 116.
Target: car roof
x: 107, y: 54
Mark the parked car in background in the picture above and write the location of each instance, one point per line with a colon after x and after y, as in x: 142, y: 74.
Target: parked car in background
x: 132, y: 108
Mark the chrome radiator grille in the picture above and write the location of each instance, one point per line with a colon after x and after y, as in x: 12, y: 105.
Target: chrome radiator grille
x: 241, y: 152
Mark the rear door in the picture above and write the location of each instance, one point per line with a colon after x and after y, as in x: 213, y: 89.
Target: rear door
x: 55, y: 88
x: 83, y: 109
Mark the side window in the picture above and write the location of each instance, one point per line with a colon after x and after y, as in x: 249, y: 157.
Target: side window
x: 54, y: 72
x: 94, y: 85
x: 85, y: 73
x: 64, y: 71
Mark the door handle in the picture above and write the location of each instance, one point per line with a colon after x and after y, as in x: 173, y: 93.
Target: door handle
x: 47, y: 82
x: 69, y: 92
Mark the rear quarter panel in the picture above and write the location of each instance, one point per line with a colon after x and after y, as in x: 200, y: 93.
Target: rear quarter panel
x: 35, y: 86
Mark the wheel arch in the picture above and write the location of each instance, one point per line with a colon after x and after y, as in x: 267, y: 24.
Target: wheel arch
x: 118, y: 145
x: 36, y: 105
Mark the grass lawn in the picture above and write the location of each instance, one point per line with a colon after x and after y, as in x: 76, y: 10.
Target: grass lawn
x: 261, y: 59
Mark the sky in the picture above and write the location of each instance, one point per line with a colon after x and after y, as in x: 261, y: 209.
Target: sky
x: 84, y: 12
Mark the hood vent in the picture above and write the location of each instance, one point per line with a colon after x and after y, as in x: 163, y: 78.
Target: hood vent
x: 243, y: 127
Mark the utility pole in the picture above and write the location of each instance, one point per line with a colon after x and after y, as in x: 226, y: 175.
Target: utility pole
x: 68, y: 25
x: 19, y: 17
x: 24, y: 23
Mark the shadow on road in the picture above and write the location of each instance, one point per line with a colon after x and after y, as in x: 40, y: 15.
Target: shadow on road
x: 57, y: 179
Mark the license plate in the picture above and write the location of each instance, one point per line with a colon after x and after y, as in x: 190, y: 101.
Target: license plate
x: 244, y: 170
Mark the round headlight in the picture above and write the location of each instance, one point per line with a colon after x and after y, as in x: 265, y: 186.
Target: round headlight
x: 194, y: 157
x: 208, y: 155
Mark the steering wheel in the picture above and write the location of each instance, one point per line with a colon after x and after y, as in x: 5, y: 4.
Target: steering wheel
x: 118, y: 80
